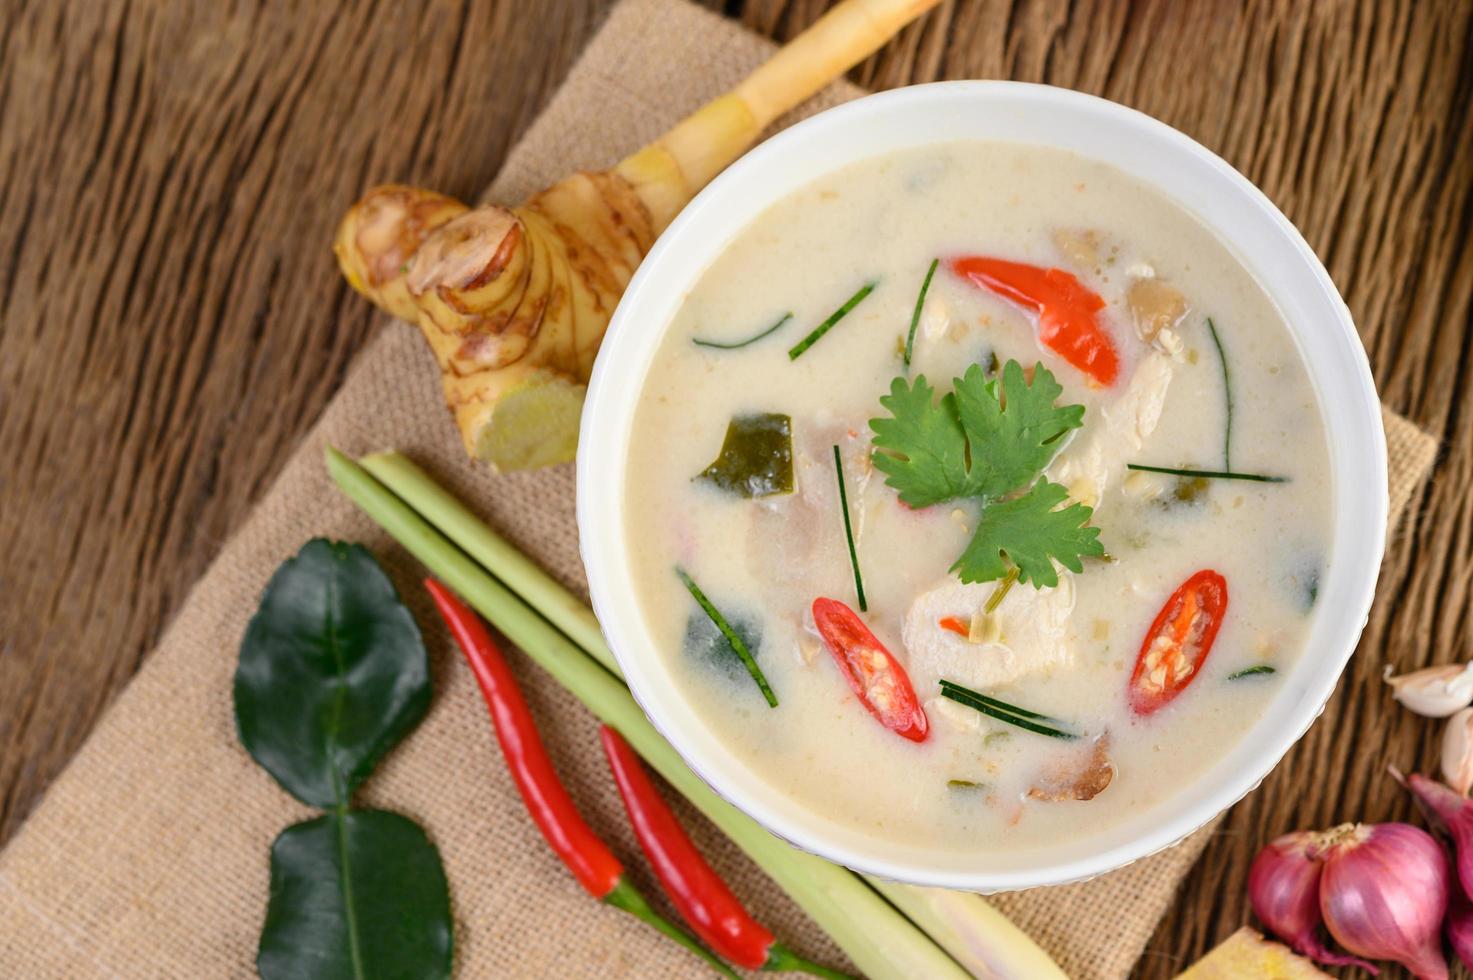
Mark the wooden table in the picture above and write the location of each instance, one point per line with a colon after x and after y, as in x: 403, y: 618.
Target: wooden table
x: 170, y: 173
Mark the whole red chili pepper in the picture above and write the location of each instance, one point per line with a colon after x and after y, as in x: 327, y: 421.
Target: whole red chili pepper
x: 1068, y: 321
x: 701, y: 897
x: 547, y: 800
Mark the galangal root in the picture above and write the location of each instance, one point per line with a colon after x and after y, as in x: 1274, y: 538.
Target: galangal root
x: 515, y: 301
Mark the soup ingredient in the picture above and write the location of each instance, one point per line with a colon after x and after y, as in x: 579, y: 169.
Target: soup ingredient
x: 880, y: 941
x: 1451, y: 815
x: 547, y: 800
x: 1254, y: 671
x: 849, y: 531
x: 1081, y: 778
x: 1012, y: 714
x: 744, y: 343
x: 1247, y: 954
x: 1093, y: 459
x: 1156, y: 308
x: 1227, y: 394
x: 515, y: 301
x: 833, y: 318
x: 1178, y: 642
x: 988, y: 438
x: 915, y: 318
x: 1207, y: 474
x: 738, y: 646
x: 697, y: 892
x: 873, y: 674
x: 756, y: 456
x: 332, y: 674
x: 1068, y: 310
x: 707, y: 645
x: 1026, y: 634
x: 1384, y: 892
x: 1284, y: 889
x: 1434, y: 692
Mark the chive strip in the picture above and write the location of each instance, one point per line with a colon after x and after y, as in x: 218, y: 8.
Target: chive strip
x: 915, y: 318
x: 987, y: 706
x: 731, y: 636
x: 742, y: 343
x: 1227, y: 390
x: 997, y: 703
x: 1208, y: 474
x: 834, y: 318
x: 1250, y: 671
x: 1003, y: 716
x: 849, y: 531
x: 1000, y: 593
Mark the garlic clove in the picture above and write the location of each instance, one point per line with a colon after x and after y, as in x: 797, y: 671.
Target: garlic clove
x: 1434, y: 692
x: 1457, y: 752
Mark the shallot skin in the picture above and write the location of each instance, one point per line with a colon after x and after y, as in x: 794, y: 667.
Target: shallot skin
x: 1459, y: 926
x: 1284, y: 889
x: 1449, y: 813
x: 1384, y: 892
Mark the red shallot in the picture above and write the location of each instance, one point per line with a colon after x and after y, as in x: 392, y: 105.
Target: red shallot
x: 1384, y: 892
x: 1284, y: 887
x: 1449, y: 813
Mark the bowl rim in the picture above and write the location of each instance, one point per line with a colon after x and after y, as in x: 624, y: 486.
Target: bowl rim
x: 1357, y: 449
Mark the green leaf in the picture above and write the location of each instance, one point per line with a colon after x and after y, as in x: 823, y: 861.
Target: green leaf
x: 359, y: 895
x: 987, y: 438
x: 1012, y: 437
x: 930, y: 461
x: 707, y: 645
x: 1030, y: 533
x: 756, y: 457
x: 332, y: 673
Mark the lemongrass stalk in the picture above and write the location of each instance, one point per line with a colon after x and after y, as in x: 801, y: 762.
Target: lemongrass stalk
x: 525, y: 577
x: 880, y: 941
x: 980, y: 938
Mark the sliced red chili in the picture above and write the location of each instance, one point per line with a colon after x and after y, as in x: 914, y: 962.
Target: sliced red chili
x: 1068, y: 321
x: 955, y: 625
x: 1178, y: 641
x: 873, y: 674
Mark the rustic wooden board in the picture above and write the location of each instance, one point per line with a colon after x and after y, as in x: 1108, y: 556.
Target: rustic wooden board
x: 172, y: 322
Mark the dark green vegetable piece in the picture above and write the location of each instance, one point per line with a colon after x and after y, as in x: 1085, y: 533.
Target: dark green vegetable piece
x: 915, y: 317
x: 1227, y: 390
x: 706, y: 644
x: 737, y: 642
x: 358, y: 895
x: 756, y: 457
x: 332, y: 674
x: 1020, y: 717
x: 738, y: 345
x: 1250, y: 671
x: 1206, y: 474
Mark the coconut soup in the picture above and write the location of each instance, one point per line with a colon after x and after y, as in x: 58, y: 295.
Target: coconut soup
x: 978, y: 497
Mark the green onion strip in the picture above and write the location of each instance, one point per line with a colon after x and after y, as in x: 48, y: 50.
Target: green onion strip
x: 915, y: 318
x: 833, y: 318
x: 737, y: 645
x: 849, y: 531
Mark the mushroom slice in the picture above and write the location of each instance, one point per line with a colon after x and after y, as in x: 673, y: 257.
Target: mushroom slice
x: 1085, y: 775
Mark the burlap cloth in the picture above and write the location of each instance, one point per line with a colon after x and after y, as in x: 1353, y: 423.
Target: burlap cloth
x: 148, y: 856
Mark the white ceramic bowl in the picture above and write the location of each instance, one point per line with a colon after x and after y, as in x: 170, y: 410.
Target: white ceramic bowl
x: 1260, y: 236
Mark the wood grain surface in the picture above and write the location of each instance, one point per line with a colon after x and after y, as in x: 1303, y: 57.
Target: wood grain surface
x: 171, y: 320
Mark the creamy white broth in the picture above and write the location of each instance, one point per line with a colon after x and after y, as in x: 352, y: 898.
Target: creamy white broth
x: 767, y: 559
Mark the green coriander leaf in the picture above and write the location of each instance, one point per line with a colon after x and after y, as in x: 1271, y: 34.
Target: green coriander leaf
x: 929, y: 464
x: 1032, y: 534
x: 1012, y: 437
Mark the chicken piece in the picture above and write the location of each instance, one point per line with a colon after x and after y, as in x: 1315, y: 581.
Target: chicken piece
x: 1115, y: 435
x: 1081, y: 776
x: 1156, y: 308
x: 1030, y: 634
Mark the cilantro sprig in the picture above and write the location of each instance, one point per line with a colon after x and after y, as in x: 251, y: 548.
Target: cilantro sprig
x: 989, y: 439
